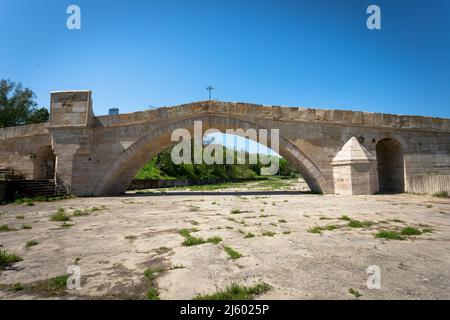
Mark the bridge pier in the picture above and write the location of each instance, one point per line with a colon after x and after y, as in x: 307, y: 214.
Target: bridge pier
x: 71, y: 122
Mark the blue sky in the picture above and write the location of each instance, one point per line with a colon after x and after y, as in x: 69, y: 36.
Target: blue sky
x: 136, y: 54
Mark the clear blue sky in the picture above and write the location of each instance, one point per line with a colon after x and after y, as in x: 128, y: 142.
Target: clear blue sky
x: 319, y: 53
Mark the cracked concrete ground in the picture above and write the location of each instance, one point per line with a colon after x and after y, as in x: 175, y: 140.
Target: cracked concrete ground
x: 116, y: 244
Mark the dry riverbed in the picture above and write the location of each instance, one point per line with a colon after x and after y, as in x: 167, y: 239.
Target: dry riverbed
x: 303, y: 246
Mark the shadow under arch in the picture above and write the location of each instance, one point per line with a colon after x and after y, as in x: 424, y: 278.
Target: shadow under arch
x: 391, y: 166
x: 44, y: 163
x: 119, y: 174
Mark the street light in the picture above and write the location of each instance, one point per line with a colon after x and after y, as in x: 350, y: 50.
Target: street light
x: 209, y: 88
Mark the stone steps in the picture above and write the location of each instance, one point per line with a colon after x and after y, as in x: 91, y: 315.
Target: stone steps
x: 31, y: 187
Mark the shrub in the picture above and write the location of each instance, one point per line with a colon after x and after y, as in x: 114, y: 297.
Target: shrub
x: 7, y: 259
x: 60, y: 215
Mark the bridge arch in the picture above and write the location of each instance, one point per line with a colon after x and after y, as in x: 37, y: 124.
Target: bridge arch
x: 391, y: 166
x: 119, y: 174
x: 44, y: 163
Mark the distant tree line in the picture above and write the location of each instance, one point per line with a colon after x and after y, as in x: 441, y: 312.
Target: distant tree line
x: 17, y: 106
x: 162, y: 167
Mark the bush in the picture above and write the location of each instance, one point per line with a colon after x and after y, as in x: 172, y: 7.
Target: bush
x: 7, y: 259
x: 441, y: 194
x: 60, y: 215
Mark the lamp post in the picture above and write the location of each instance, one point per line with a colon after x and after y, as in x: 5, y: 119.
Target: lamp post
x: 210, y: 88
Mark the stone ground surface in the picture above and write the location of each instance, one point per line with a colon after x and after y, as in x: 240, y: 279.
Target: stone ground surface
x: 138, y: 231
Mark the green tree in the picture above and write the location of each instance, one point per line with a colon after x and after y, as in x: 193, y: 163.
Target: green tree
x: 17, y: 105
x: 162, y: 167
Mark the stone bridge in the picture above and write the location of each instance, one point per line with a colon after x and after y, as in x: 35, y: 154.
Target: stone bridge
x: 336, y: 151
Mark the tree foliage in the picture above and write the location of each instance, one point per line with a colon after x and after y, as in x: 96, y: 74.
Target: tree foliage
x: 162, y: 167
x: 17, y: 105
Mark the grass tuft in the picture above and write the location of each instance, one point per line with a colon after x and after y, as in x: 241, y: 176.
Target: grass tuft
x: 6, y: 228
x: 318, y: 229
x: 185, y: 232
x: 152, y: 294
x: 150, y: 274
x: 214, y: 240
x: 177, y: 266
x: 390, y: 235
x: 315, y: 229
x: 31, y: 243
x: 191, y: 240
x: 60, y: 215
x: 360, y: 224
x: 236, y: 292
x: 7, y: 259
x: 232, y: 253
x: 441, y: 194
x: 17, y: 287
x: 58, y: 283
x: 410, y: 231
x: 81, y: 213
x: 354, y: 292
x: 66, y: 225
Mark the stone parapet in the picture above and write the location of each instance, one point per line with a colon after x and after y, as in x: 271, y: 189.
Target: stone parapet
x: 24, y: 131
x: 339, y: 117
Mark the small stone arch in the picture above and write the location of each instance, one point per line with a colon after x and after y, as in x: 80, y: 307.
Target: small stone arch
x: 118, y: 176
x: 44, y: 163
x: 391, y: 166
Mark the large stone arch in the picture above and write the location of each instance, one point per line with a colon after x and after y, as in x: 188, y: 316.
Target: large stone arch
x: 119, y: 174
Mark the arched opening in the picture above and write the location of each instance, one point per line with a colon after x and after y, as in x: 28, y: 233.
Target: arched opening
x: 120, y: 173
x: 391, y: 166
x: 44, y: 164
x: 244, y: 173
